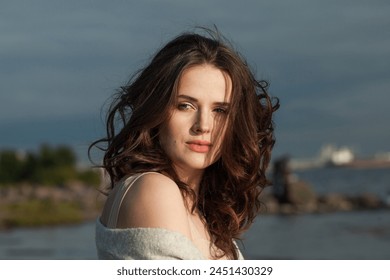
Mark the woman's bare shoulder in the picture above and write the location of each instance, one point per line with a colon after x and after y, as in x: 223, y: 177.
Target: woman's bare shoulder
x: 154, y: 186
x: 154, y: 201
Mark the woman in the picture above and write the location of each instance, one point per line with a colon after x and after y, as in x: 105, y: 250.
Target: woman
x: 188, y: 143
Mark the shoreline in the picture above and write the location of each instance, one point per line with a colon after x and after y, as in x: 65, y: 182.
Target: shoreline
x: 35, y: 206
x: 301, y: 198
x: 31, y: 206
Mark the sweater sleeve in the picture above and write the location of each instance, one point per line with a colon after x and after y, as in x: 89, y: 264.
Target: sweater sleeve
x: 144, y: 244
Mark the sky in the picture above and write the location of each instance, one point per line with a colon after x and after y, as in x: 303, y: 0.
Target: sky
x: 327, y: 62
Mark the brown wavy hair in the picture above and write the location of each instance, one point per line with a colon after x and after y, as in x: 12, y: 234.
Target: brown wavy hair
x: 230, y: 188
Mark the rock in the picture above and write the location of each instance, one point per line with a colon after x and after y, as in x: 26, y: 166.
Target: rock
x: 269, y: 205
x: 287, y: 209
x: 334, y: 202
x: 301, y: 193
x: 369, y: 201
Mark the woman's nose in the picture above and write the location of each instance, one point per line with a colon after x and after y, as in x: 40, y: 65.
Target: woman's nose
x: 202, y: 122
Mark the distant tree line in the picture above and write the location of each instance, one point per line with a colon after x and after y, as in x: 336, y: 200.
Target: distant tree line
x: 49, y: 166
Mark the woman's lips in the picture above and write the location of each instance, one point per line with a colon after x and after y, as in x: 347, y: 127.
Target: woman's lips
x: 199, y: 146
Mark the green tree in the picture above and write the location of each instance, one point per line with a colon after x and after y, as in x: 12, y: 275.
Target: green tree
x: 56, y: 165
x: 30, y: 167
x: 49, y: 166
x: 11, y: 166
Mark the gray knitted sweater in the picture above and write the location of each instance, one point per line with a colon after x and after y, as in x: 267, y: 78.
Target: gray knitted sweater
x: 141, y: 243
x: 144, y: 244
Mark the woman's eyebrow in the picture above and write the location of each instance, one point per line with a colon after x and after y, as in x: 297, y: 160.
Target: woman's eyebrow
x: 193, y: 99
x: 188, y: 97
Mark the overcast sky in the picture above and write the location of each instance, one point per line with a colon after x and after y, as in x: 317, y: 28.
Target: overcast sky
x: 327, y: 61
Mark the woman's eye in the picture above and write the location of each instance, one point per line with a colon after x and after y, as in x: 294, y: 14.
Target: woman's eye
x: 184, y: 106
x: 220, y: 110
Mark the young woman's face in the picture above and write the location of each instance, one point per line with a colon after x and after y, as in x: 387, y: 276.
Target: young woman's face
x: 193, y: 135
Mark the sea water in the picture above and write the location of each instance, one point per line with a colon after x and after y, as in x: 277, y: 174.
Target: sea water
x: 340, y: 235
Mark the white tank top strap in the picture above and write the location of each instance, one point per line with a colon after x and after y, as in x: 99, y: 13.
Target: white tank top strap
x: 201, y: 243
x: 119, y: 196
x: 193, y: 230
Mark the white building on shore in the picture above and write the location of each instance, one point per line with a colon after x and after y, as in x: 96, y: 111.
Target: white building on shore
x: 329, y: 155
x: 336, y: 156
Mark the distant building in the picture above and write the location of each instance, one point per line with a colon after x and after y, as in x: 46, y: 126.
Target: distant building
x: 342, y: 156
x: 336, y: 156
x: 331, y: 155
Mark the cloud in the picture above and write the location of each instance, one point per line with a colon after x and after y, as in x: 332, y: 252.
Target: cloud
x: 327, y: 61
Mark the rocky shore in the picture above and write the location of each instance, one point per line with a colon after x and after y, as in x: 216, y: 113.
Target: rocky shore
x: 28, y: 205
x: 31, y: 205
x: 302, y: 199
x: 291, y: 195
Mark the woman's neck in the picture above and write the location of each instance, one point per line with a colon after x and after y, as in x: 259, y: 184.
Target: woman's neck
x: 190, y: 177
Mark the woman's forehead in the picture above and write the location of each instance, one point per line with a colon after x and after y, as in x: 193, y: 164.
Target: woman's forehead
x: 205, y: 82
